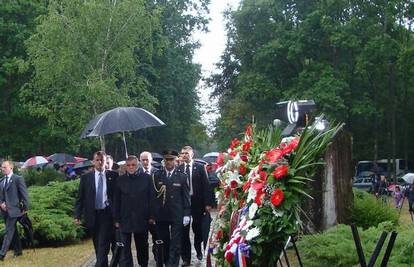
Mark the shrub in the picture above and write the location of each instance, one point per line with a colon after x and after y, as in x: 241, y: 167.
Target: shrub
x: 41, y: 177
x: 368, y: 211
x: 325, y: 250
x: 51, y: 212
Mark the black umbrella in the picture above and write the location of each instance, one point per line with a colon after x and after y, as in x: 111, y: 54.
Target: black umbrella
x: 121, y: 119
x: 205, y: 228
x: 28, y: 228
x: 83, y: 164
x: 62, y: 157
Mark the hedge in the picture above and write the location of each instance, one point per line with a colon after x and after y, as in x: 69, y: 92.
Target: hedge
x: 51, y: 212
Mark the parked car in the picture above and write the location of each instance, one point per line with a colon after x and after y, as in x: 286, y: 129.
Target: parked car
x: 363, y: 183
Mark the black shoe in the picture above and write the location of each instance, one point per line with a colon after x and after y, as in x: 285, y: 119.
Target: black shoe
x: 17, y: 254
x: 1, y: 257
x: 199, y: 256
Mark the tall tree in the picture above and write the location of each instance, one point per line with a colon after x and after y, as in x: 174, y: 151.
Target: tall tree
x: 343, y: 54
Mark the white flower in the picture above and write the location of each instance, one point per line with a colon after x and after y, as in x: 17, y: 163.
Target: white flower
x: 287, y: 139
x: 252, y: 233
x: 251, y: 195
x: 278, y: 213
x: 252, y: 210
x: 247, y: 225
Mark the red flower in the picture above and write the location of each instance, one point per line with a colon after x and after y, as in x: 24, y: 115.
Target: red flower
x: 247, y: 145
x: 259, y: 197
x: 292, y: 145
x: 244, y: 158
x: 233, y: 184
x: 235, y: 142
x: 219, y: 235
x: 246, y: 186
x: 227, y: 192
x: 242, y: 170
x: 277, y: 197
x: 280, y: 171
x: 248, y: 131
x: 274, y: 155
x: 233, y: 154
x: 263, y: 175
x: 229, y: 256
x: 220, y: 159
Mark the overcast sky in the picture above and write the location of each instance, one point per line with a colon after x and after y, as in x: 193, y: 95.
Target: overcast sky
x: 212, y: 46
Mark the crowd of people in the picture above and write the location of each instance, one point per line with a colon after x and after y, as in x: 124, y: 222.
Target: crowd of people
x: 139, y: 200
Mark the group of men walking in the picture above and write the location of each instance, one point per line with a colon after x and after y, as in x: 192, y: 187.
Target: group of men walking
x: 144, y: 199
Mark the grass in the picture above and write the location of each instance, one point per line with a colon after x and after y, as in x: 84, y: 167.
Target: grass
x: 70, y: 255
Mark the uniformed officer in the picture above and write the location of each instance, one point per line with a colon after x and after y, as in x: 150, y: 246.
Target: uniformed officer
x: 173, y: 207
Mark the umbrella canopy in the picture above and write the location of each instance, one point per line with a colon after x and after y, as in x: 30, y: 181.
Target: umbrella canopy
x: 35, y: 161
x: 121, y: 119
x: 409, y: 177
x: 62, y: 157
x: 83, y: 164
x: 28, y: 228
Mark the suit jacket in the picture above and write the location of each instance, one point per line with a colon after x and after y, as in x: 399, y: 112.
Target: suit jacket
x: 134, y: 202
x: 177, y: 196
x: 201, y: 189
x: 153, y: 170
x: 15, y: 195
x: 85, y: 201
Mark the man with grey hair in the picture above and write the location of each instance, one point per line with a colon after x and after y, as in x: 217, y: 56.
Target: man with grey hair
x: 14, y: 202
x: 145, y: 159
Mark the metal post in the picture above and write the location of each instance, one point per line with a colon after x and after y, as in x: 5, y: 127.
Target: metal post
x: 297, y: 252
x: 390, y: 246
x: 377, y: 249
x: 358, y: 246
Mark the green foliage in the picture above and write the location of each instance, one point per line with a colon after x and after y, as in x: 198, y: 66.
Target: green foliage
x: 349, y: 56
x: 369, y: 212
x: 51, y: 212
x: 41, y: 177
x: 325, y: 250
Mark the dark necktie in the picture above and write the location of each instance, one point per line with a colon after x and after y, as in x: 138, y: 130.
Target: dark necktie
x: 99, y: 193
x: 187, y: 171
x: 147, y: 171
x: 169, y: 175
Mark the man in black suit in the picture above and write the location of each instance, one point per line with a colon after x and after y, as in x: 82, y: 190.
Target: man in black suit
x: 133, y: 211
x: 172, y: 207
x: 94, y: 203
x: 200, y: 193
x: 14, y: 202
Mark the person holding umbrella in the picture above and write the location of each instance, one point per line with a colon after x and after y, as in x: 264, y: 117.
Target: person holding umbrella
x: 172, y: 207
x: 14, y: 202
x: 133, y: 211
x: 201, y: 203
x: 94, y: 203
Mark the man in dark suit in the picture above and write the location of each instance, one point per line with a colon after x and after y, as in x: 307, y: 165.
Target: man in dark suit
x: 133, y: 211
x: 172, y: 207
x: 94, y: 203
x: 200, y: 192
x: 14, y: 202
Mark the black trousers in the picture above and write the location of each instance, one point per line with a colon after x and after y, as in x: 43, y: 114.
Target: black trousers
x: 141, y: 244
x: 11, y: 237
x: 102, y: 236
x: 171, y: 234
x: 198, y: 235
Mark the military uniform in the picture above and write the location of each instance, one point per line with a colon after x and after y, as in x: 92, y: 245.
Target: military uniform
x: 171, y: 205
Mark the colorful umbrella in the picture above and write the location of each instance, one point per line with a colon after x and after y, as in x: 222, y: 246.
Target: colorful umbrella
x: 35, y: 161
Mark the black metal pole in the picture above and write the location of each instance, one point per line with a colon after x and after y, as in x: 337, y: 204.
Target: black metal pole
x: 286, y: 257
x: 358, y: 246
x: 297, y: 252
x: 390, y: 246
x: 377, y: 249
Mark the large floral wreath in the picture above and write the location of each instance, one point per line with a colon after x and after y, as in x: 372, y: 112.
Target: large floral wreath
x: 263, y: 179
